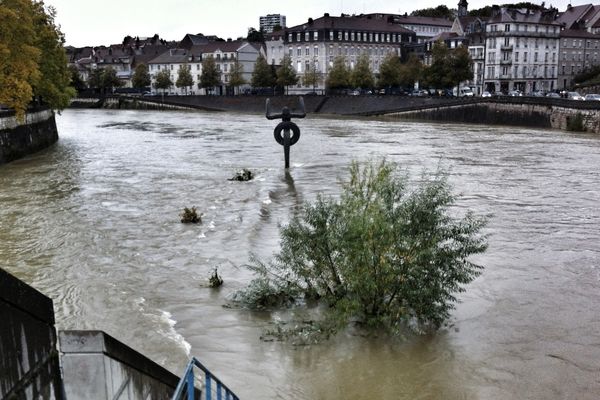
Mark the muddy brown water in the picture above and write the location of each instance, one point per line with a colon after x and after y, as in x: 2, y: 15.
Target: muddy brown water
x: 93, y: 223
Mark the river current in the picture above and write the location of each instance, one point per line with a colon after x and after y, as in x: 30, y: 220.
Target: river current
x: 93, y: 223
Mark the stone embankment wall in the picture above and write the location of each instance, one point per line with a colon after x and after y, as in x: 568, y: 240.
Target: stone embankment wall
x: 538, y: 113
x: 21, y: 138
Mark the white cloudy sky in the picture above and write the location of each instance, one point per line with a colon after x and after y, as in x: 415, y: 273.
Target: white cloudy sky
x: 95, y: 22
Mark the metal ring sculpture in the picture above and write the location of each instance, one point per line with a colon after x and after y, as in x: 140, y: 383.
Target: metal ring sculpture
x: 283, y: 129
x: 290, y: 126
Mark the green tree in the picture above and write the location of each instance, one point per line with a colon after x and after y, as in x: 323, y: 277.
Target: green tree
x: 184, y: 77
x: 95, y: 78
x: 389, y: 71
x: 437, y: 75
x: 339, y: 75
x: 236, y: 75
x: 255, y: 36
x: 54, y: 88
x: 461, y: 65
x: 210, y: 76
x: 385, y: 253
x: 362, y: 76
x: 411, y: 71
x: 286, y: 74
x: 141, y: 78
x: 262, y: 76
x: 312, y: 77
x: 110, y: 80
x: 76, y: 80
x: 163, y: 80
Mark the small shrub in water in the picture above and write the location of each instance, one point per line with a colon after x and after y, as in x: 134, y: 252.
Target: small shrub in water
x: 243, y: 176
x: 215, y: 280
x: 190, y: 215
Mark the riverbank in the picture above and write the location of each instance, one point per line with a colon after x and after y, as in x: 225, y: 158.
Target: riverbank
x: 513, y: 111
x: 21, y: 138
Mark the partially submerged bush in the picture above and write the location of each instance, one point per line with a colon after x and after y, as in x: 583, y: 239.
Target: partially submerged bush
x: 190, y: 215
x: 381, y: 255
x: 243, y: 175
x: 215, y: 280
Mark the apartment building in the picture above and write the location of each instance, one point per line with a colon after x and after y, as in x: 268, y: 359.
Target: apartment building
x: 267, y: 23
x: 522, y: 49
x: 318, y: 42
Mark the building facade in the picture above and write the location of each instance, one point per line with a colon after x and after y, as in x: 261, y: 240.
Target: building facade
x: 579, y: 50
x: 316, y: 43
x: 522, y: 49
x: 267, y: 23
x: 172, y: 61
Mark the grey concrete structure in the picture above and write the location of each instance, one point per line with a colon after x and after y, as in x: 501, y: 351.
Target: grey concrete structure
x: 268, y: 22
x: 21, y: 138
x: 29, y: 367
x: 97, y: 366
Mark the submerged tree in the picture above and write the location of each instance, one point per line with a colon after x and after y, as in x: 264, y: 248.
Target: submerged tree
x: 383, y: 254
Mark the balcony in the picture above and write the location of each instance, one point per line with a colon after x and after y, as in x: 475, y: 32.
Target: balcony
x: 505, y: 62
x: 507, y: 76
x: 506, y: 47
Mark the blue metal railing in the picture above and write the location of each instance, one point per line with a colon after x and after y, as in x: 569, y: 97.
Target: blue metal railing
x: 186, y: 385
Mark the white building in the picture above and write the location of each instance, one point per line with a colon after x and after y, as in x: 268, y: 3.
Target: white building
x: 172, y: 61
x: 521, y: 50
x: 318, y: 42
x: 270, y: 21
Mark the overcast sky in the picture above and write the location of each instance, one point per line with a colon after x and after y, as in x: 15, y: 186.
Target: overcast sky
x: 97, y: 22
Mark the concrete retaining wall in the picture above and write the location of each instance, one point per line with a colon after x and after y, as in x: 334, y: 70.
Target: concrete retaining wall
x: 19, y: 139
x: 29, y: 366
x: 97, y: 366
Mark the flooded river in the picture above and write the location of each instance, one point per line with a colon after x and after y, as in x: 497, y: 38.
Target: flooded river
x: 93, y: 223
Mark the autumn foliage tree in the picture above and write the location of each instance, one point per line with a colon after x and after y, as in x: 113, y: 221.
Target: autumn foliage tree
x: 32, y: 58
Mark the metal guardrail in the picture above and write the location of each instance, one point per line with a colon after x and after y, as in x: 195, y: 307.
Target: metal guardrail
x: 187, y: 388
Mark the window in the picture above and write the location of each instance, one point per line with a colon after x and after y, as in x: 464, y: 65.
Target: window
x: 298, y: 51
x: 306, y: 36
x: 316, y: 51
x: 307, y: 51
x: 299, y: 67
x: 289, y: 37
x: 346, y: 35
x: 340, y: 35
x: 516, y: 56
x: 507, y: 28
x: 330, y: 35
x: 352, y: 36
x: 525, y: 56
x: 291, y: 51
x: 535, y: 56
x: 315, y: 35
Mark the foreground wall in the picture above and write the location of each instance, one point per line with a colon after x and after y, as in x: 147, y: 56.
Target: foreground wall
x: 29, y: 366
x: 21, y: 138
x: 97, y: 366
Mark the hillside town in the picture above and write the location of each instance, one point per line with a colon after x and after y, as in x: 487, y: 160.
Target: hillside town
x: 513, y: 50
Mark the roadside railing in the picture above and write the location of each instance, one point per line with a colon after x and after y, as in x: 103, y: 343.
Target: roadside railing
x: 211, y: 386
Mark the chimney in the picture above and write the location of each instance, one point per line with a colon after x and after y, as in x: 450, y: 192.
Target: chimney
x: 326, y: 15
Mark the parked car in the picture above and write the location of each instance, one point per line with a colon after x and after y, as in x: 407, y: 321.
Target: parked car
x: 553, y: 95
x: 515, y: 93
x: 574, y: 96
x: 592, y: 97
x: 486, y: 94
x: 537, y: 93
x: 354, y: 93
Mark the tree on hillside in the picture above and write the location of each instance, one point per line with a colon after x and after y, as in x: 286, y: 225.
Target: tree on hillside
x: 141, y: 78
x: 286, y: 75
x: 184, y: 77
x: 440, y: 11
x: 163, y: 80
x: 389, y: 71
x: 362, y: 76
x: 211, y: 76
x: 236, y: 75
x: 95, y: 79
x: 339, y: 75
x: 262, y: 76
x: 385, y: 253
